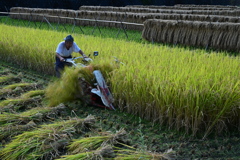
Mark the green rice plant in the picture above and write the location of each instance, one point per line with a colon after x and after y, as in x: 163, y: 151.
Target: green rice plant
x: 105, y: 152
x: 92, y: 143
x: 46, y: 141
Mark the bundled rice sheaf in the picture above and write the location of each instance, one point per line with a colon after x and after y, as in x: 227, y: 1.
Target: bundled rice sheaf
x: 193, y: 33
x: 197, y: 7
x: 126, y: 14
x: 170, y: 11
x: 206, y: 6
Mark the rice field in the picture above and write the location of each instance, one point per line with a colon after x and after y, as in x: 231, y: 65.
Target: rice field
x: 190, y: 91
x: 183, y: 88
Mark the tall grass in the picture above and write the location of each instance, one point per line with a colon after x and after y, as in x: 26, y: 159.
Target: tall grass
x: 182, y: 88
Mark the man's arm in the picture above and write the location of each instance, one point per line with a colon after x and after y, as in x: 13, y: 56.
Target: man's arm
x: 82, y: 53
x: 60, y: 57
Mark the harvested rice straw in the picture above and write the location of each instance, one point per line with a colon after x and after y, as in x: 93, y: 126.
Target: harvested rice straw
x: 194, y: 33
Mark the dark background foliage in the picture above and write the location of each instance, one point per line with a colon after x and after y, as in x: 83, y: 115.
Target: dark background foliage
x: 75, y: 4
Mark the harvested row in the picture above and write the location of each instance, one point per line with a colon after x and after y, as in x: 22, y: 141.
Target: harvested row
x: 215, y: 35
x: 212, y: 7
x: 169, y: 11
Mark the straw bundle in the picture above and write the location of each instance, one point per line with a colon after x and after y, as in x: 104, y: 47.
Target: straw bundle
x: 25, y: 10
x: 71, y: 14
x: 63, y: 13
x: 14, y: 10
x: 54, y: 12
x: 50, y: 12
x: 82, y: 15
x: 169, y: 11
x: 132, y: 15
x: 119, y: 16
x: 223, y: 36
x: 205, y: 6
x: 197, y: 7
x: 38, y: 13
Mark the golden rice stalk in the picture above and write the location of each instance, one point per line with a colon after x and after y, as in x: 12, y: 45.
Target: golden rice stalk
x: 13, y: 86
x: 14, y: 124
x: 131, y: 154
x: 25, y: 97
x: 105, y: 152
x: 6, y: 78
x: 46, y: 141
x: 92, y: 143
x: 11, y: 130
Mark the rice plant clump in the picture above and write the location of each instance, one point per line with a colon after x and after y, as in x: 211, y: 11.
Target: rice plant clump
x: 69, y: 87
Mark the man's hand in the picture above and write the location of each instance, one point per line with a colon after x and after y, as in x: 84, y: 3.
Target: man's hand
x: 84, y: 56
x: 61, y: 59
x: 87, y: 59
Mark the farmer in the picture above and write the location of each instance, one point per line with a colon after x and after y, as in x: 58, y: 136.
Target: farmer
x: 64, y: 50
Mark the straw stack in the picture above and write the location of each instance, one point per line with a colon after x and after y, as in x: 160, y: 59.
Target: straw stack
x: 186, y: 7
x: 229, y: 12
x: 216, y: 35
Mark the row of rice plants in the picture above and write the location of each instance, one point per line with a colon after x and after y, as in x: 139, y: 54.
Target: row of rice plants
x: 185, y: 89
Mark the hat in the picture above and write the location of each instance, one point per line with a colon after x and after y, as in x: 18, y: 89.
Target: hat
x: 69, y: 38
